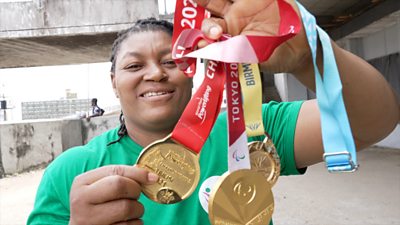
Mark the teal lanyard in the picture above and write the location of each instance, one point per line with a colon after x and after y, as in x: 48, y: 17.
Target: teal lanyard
x: 339, y: 148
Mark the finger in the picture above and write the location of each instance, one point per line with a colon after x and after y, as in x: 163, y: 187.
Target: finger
x: 117, y: 211
x: 216, y: 7
x: 202, y: 44
x: 130, y: 222
x: 140, y: 175
x: 213, y: 27
x: 111, y: 188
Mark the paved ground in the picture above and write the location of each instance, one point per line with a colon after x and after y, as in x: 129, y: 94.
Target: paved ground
x: 370, y: 196
x: 17, y: 194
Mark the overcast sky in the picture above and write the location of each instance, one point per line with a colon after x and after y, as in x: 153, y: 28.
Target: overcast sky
x: 170, y: 6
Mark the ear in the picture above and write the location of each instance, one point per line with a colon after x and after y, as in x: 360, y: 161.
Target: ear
x: 114, y: 85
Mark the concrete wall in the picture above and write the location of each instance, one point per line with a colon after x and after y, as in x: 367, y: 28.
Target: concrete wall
x: 289, y: 88
x: 382, y: 43
x: 98, y: 125
x: 27, y: 145
x: 378, y: 44
x: 64, y: 17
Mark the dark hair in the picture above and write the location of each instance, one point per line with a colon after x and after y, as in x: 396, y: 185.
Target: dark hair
x: 121, y: 131
x: 149, y: 24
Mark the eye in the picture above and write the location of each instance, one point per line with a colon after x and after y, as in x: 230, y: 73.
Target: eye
x: 133, y: 67
x: 169, y: 63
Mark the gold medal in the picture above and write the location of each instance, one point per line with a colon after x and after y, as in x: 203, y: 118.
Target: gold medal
x: 241, y: 197
x: 177, y: 167
x: 265, y: 159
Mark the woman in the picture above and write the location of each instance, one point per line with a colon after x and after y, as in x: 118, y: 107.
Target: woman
x: 97, y: 184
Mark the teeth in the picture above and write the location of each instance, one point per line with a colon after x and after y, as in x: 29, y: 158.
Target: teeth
x: 151, y: 94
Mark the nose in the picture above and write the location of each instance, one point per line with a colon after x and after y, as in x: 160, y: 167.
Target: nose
x: 155, y: 73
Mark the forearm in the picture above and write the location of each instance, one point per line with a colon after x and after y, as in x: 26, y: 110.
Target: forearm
x: 371, y: 104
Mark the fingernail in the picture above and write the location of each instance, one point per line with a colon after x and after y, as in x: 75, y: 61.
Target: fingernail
x: 152, y: 177
x: 214, y: 31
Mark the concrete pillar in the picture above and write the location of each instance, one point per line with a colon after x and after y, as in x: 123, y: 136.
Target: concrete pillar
x: 289, y: 88
x: 71, y: 133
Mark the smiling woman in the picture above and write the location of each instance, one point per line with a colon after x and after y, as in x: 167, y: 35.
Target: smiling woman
x: 97, y: 184
x: 145, y: 77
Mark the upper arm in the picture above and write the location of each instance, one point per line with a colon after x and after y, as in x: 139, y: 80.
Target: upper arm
x: 308, y: 148
x: 280, y: 120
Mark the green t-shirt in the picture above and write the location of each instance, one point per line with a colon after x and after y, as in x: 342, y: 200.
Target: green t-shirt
x: 52, y: 199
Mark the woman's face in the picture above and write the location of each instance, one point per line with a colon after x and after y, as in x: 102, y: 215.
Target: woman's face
x: 153, y: 92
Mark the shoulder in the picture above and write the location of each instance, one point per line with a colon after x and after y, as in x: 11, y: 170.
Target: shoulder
x: 52, y: 198
x: 77, y: 160
x: 280, y: 121
x: 274, y: 109
x: 80, y: 159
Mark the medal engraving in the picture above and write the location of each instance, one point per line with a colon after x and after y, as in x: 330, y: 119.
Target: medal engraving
x: 260, y: 218
x: 167, y: 196
x: 177, y: 167
x: 241, y: 197
x: 265, y: 159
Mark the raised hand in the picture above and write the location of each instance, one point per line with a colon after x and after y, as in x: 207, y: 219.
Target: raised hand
x: 256, y: 17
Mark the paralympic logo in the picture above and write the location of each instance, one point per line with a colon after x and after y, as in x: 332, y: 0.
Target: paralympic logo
x: 205, y: 191
x: 238, y: 157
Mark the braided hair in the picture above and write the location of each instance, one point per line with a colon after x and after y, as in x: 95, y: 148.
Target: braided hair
x: 142, y: 25
x: 149, y: 24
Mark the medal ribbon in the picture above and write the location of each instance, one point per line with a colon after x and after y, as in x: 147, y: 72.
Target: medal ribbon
x: 339, y: 147
x: 188, y: 16
x: 238, y: 152
x: 250, y: 81
x: 245, y: 48
x: 200, y: 114
x: 251, y: 49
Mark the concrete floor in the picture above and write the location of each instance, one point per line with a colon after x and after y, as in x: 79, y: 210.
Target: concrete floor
x: 371, y: 196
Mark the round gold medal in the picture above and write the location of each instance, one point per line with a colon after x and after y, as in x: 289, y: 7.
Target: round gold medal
x: 241, y: 197
x: 177, y: 167
x: 265, y: 159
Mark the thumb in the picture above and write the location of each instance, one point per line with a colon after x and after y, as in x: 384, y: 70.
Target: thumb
x: 135, y: 172
x: 213, y: 27
x: 150, y: 178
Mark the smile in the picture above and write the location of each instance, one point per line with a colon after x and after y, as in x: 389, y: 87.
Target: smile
x: 153, y: 93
